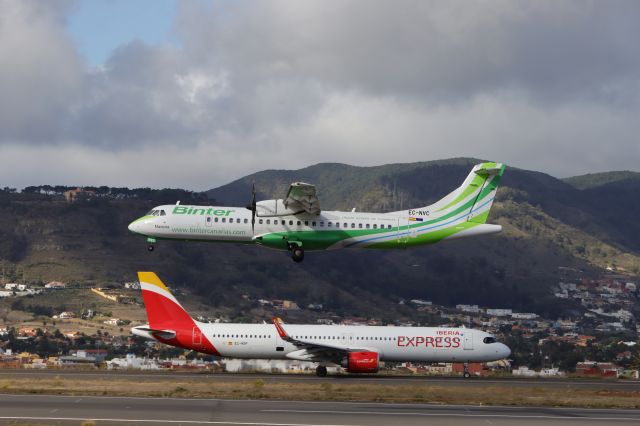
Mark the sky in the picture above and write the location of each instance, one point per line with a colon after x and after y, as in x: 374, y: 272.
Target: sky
x: 195, y: 94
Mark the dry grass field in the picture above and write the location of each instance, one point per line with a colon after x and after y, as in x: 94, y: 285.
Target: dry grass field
x: 219, y: 387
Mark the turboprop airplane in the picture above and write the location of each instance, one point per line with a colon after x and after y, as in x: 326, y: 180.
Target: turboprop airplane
x: 296, y: 223
x: 358, y: 349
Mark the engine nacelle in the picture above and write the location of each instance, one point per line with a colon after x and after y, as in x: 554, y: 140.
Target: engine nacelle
x: 271, y: 208
x: 361, y: 362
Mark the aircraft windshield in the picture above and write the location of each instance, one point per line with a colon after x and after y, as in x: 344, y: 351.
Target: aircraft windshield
x: 155, y: 212
x: 489, y: 340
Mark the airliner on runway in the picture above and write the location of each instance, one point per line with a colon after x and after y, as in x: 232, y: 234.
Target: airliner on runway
x: 358, y: 349
x: 296, y: 223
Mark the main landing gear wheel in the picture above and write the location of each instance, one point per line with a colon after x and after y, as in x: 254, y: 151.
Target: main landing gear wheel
x: 321, y: 371
x: 297, y: 253
x: 150, y: 247
x: 465, y: 372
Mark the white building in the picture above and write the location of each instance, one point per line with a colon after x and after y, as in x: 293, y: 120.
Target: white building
x: 524, y: 316
x: 473, y: 309
x: 499, y: 312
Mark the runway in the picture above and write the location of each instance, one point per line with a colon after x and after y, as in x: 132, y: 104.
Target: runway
x: 46, y: 409
x: 546, y: 383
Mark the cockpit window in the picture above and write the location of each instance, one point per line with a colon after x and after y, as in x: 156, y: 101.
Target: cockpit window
x: 156, y: 212
x: 489, y: 339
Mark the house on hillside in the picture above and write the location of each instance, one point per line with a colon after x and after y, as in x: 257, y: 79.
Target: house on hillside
x: 55, y: 285
x: 74, y: 195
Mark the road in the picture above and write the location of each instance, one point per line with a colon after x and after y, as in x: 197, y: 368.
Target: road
x: 47, y: 409
x: 293, y: 378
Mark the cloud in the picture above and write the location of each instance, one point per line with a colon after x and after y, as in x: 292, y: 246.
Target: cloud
x: 283, y: 84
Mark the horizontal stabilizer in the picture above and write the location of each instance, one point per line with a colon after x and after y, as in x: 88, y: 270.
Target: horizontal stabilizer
x: 152, y: 333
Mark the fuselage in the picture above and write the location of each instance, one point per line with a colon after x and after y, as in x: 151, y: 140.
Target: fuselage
x: 392, y: 344
x: 325, y: 231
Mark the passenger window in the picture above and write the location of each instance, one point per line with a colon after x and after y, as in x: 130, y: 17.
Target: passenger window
x: 224, y: 220
x: 260, y: 221
x: 208, y: 219
x: 345, y: 225
x: 230, y: 220
x: 367, y: 226
x: 321, y: 224
x: 360, y: 225
x: 299, y: 223
x: 329, y: 224
x: 389, y: 226
x: 306, y: 223
x: 290, y: 222
x: 375, y: 226
x: 268, y: 221
x: 283, y: 222
x: 215, y: 219
x: 313, y: 223
x: 246, y: 221
x: 353, y: 225
x: 337, y: 224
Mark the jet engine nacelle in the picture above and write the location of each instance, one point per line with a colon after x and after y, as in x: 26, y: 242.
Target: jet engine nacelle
x: 361, y: 362
x: 271, y: 208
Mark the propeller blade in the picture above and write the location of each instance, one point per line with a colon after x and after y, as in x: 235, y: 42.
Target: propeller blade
x: 253, y: 207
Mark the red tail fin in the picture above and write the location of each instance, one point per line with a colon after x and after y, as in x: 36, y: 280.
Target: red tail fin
x: 165, y: 313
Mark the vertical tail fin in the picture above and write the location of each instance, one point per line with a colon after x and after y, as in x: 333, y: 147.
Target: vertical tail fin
x: 168, y: 321
x: 163, y: 310
x: 472, y: 200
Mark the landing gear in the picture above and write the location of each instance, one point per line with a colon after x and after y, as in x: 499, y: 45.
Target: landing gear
x: 465, y: 371
x: 150, y: 247
x: 321, y: 371
x: 151, y: 242
x: 297, y: 253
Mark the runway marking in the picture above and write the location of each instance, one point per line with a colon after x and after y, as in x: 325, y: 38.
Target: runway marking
x: 508, y: 416
x: 199, y: 422
x: 359, y: 403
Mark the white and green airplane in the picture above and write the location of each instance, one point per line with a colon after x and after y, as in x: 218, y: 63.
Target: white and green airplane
x: 296, y: 223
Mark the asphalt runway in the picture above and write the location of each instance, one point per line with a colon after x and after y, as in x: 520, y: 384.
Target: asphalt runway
x: 64, y: 410
x: 293, y: 378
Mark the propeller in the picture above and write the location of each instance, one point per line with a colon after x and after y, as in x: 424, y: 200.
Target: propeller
x: 252, y: 207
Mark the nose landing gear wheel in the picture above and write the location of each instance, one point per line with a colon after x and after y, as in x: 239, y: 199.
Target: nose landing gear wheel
x: 150, y: 247
x: 321, y: 371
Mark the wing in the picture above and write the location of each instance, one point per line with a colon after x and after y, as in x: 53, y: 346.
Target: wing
x: 313, y: 351
x: 302, y: 197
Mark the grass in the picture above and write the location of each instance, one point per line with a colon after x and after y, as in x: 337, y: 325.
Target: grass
x: 219, y: 387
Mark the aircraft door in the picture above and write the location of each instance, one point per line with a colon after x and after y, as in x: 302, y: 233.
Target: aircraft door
x: 196, y: 337
x: 468, y: 340
x: 347, y: 338
x: 403, y: 230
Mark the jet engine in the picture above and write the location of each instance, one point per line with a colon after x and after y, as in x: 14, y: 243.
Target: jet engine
x: 361, y: 362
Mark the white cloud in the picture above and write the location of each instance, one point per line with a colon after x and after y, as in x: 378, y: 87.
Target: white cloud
x: 283, y: 84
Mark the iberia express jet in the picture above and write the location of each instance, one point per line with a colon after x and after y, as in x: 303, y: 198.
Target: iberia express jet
x: 358, y: 349
x: 296, y: 223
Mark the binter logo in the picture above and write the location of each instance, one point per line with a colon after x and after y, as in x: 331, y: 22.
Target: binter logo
x: 201, y: 211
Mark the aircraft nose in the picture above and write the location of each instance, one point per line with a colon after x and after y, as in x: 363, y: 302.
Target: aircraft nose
x: 134, y: 226
x: 504, y: 350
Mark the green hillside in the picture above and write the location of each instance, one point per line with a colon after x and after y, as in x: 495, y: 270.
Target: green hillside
x: 547, y: 224
x: 593, y: 180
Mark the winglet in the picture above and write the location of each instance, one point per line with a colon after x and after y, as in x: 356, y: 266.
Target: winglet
x: 277, y: 321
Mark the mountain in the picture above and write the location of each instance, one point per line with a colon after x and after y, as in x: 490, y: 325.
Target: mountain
x: 548, y: 224
x: 593, y: 180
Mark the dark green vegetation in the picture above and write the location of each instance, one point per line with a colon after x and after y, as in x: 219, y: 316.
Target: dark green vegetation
x: 547, y: 223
